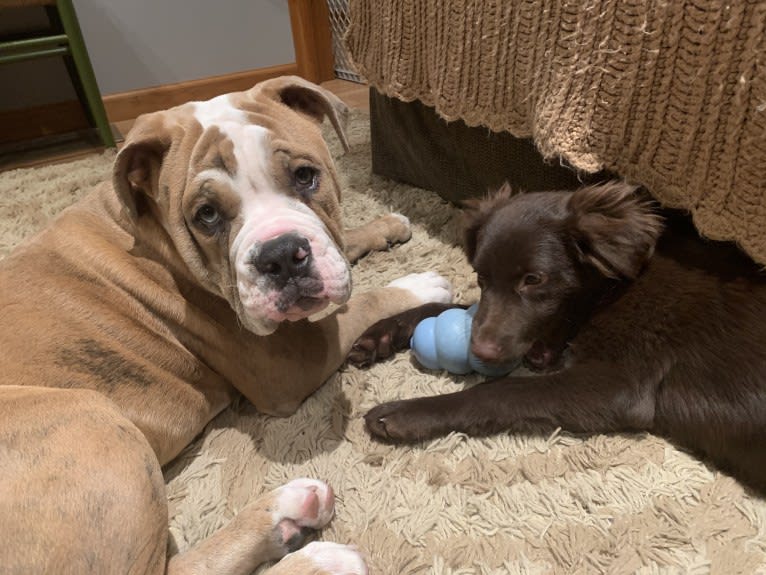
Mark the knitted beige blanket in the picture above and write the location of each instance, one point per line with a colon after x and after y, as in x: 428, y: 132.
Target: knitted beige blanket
x: 507, y: 504
x: 671, y: 94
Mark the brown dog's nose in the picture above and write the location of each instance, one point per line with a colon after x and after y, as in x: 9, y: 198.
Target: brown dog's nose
x: 486, y: 350
x: 284, y: 257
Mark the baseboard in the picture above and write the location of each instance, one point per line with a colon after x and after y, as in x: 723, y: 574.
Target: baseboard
x: 41, y: 121
x: 128, y: 105
x: 63, y: 117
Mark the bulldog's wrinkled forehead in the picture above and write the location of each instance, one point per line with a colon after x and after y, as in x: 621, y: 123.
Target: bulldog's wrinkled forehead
x: 232, y: 147
x: 218, y: 110
x: 220, y: 114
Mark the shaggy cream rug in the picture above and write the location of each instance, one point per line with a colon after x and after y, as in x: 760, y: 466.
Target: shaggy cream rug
x: 458, y: 506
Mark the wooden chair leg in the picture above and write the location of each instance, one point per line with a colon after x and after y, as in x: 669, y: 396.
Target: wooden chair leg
x: 87, y: 78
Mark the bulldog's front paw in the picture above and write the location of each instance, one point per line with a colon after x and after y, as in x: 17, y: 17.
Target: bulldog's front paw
x: 395, y: 228
x: 299, y: 508
x: 427, y: 287
x: 322, y: 558
x: 377, y: 235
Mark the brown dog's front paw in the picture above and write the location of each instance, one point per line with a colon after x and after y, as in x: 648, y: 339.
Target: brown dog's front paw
x: 396, y: 422
x: 382, y: 340
x: 391, y: 335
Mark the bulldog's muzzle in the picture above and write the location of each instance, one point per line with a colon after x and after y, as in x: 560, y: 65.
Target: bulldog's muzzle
x: 284, y: 258
x: 288, y: 266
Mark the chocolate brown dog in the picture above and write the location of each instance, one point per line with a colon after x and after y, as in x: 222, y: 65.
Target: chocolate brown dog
x: 144, y: 309
x: 633, y: 328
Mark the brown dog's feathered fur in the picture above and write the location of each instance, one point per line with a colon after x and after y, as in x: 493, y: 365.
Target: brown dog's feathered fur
x: 633, y: 328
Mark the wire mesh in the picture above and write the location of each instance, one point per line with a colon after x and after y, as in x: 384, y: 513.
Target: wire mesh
x: 339, y: 20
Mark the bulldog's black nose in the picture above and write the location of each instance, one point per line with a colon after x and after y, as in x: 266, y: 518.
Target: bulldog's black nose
x: 286, y: 256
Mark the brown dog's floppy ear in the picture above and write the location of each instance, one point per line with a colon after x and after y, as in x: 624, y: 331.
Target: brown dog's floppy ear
x: 136, y: 169
x: 476, y: 212
x: 308, y: 99
x: 614, y: 229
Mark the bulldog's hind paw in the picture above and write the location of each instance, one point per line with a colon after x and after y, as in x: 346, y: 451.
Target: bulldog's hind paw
x: 299, y: 508
x: 427, y: 287
x: 322, y: 558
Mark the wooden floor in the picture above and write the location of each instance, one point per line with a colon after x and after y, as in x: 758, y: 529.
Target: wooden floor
x: 353, y: 94
x: 67, y: 148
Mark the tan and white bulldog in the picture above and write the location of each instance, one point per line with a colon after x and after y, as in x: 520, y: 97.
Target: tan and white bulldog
x: 148, y: 306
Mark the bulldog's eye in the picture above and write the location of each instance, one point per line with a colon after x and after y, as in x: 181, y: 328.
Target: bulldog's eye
x: 306, y: 179
x: 208, y: 215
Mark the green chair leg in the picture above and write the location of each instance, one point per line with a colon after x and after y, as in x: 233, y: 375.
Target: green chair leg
x: 85, y: 71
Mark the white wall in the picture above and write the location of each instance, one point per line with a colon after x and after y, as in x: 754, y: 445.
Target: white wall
x: 142, y: 43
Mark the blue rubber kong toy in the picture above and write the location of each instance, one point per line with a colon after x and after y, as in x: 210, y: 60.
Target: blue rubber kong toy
x: 444, y: 342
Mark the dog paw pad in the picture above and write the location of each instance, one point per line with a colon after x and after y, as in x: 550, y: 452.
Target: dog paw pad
x: 307, y: 502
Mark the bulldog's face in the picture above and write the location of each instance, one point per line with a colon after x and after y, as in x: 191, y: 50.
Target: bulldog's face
x: 248, y: 193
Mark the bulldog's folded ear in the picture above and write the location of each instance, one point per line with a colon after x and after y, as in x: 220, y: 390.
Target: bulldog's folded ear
x: 136, y: 170
x: 308, y: 99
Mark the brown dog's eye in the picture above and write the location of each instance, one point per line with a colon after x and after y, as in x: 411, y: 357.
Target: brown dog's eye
x: 481, y: 280
x: 533, y: 279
